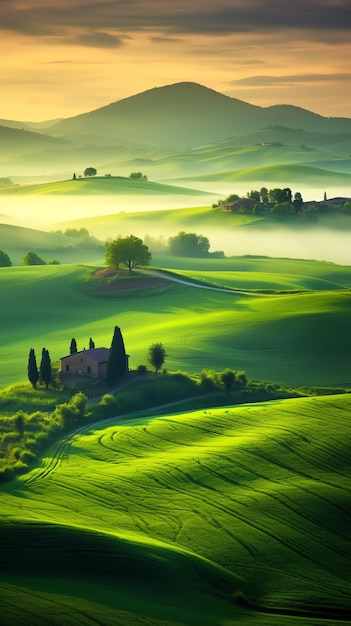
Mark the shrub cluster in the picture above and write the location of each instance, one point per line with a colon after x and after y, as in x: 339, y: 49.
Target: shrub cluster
x: 24, y: 436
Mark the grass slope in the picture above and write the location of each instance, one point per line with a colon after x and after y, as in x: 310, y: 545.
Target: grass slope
x: 170, y: 520
x: 100, y: 186
x: 282, y: 174
x: 295, y: 339
x: 167, y: 222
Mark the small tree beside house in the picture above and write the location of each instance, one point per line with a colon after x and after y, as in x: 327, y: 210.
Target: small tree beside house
x: 157, y: 355
x: 73, y: 346
x: 118, y: 361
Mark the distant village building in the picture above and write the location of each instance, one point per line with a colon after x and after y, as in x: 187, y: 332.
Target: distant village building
x: 242, y: 204
x: 91, y: 363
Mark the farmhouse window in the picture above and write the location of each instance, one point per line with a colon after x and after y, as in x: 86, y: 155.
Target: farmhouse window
x: 89, y: 369
x: 67, y: 367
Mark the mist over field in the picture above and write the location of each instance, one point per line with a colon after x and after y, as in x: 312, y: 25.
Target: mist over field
x: 47, y: 213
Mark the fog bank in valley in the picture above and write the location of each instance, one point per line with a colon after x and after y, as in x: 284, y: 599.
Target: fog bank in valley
x: 315, y: 243
x: 46, y: 212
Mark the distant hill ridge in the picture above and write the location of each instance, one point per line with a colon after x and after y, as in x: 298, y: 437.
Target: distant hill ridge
x: 184, y: 115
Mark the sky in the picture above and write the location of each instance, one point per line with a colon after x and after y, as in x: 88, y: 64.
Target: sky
x: 72, y: 56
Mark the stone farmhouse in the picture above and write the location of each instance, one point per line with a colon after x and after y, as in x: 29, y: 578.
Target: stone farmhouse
x: 92, y: 362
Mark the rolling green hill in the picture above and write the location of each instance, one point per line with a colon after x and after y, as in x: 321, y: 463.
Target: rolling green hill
x: 214, y: 517
x: 281, y: 174
x: 167, y: 222
x: 99, y: 186
x: 296, y: 339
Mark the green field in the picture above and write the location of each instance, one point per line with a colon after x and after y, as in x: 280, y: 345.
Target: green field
x: 296, y: 339
x: 99, y: 186
x: 214, y: 517
x: 286, y: 173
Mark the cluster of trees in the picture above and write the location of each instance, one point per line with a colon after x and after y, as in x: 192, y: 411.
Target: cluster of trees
x: 43, y: 373
x: 82, y: 235
x: 137, y: 176
x: 131, y: 251
x: 92, y: 171
x: 188, y: 245
x: 5, y: 182
x: 30, y: 258
x: 228, y: 380
x: 280, y: 201
x: 183, y: 244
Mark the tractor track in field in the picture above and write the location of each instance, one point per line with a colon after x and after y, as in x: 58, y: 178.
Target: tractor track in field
x: 188, y: 283
x: 60, y: 449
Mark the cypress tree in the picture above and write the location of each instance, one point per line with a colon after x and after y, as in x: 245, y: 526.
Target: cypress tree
x: 91, y: 344
x: 117, y: 364
x: 33, y: 374
x: 45, y: 367
x: 73, y: 346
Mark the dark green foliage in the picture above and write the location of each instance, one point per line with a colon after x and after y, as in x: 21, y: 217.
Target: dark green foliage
x: 73, y: 346
x: 283, y: 208
x: 142, y: 370
x: 137, y: 176
x: 254, y: 195
x: 5, y: 260
x: 90, y: 171
x: 32, y: 258
x: 128, y: 250
x: 5, y: 182
x: 189, y: 245
x: 279, y: 195
x: 157, y: 355
x: 210, y: 380
x: 108, y: 404
x: 298, y: 201
x: 232, y: 197
x: 33, y: 374
x: 228, y: 379
x: 19, y: 423
x: 69, y: 414
x: 91, y: 344
x: 45, y: 367
x: 117, y: 364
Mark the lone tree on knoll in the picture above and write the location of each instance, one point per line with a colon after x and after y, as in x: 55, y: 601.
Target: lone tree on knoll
x: 33, y: 374
x: 157, y: 355
x: 90, y: 171
x: 117, y: 364
x: 128, y: 250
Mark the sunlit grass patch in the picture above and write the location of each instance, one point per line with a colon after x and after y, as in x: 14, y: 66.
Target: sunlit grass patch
x: 260, y: 490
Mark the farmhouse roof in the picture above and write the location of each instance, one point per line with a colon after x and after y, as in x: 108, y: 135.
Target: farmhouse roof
x: 99, y: 355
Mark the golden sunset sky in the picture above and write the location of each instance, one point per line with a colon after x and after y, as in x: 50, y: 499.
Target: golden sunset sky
x: 72, y: 56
